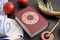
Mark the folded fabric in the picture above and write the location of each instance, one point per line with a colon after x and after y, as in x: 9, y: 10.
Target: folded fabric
x: 11, y: 30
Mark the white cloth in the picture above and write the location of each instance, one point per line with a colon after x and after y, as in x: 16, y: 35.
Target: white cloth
x: 2, y: 20
x: 12, y: 28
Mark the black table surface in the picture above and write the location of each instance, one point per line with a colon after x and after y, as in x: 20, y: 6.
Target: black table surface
x: 52, y: 20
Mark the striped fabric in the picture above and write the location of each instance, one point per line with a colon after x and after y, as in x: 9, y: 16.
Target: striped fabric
x: 10, y: 38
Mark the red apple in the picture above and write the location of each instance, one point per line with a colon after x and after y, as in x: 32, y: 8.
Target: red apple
x: 22, y: 2
x: 9, y: 8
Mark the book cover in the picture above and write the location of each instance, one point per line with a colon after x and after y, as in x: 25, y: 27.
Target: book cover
x: 31, y: 21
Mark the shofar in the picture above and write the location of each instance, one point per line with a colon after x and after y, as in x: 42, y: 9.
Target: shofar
x: 47, y: 8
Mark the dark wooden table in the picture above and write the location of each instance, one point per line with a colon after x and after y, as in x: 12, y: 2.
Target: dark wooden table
x: 51, y: 19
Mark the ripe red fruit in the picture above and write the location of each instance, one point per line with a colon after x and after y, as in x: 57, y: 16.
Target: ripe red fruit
x: 22, y: 2
x: 9, y: 8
